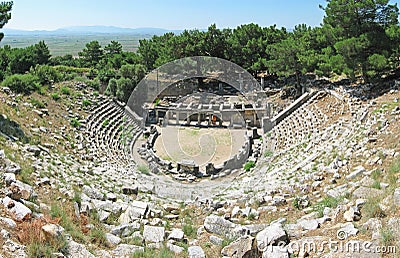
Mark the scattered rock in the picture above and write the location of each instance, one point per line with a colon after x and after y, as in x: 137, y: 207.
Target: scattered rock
x: 9, y: 178
x: 374, y: 225
x: 174, y: 248
x: 275, y: 252
x: 112, y: 240
x: 78, y: 250
x: 125, y: 229
x: 222, y: 227
x: 366, y: 192
x: 357, y: 171
x: 346, y: 230
x: 271, y: 235
x: 19, y: 211
x: 196, y: 252
x: 125, y: 250
x: 131, y: 189
x: 11, y: 223
x: 135, y: 210
x: 243, y: 247
x: 309, y: 224
x: 53, y: 230
x: 176, y: 234
x: 352, y: 214
x: 216, y: 240
x: 153, y: 234
x: 396, y: 197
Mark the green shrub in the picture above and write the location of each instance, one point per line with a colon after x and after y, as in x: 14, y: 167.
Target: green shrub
x: 46, y: 74
x: 86, y: 103
x: 106, y: 122
x: 65, y: 90
x: 75, y: 122
x: 249, y: 165
x: 55, y: 96
x: 95, y: 83
x: 189, y: 230
x: 71, y: 69
x: 37, y: 103
x: 22, y: 83
x: 67, y: 221
x: 11, y: 128
x: 111, y: 87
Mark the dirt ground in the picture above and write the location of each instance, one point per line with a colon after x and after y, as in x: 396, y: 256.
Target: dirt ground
x: 203, y: 145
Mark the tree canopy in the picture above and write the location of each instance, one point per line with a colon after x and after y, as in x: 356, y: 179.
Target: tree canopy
x: 359, y: 39
x: 5, y: 15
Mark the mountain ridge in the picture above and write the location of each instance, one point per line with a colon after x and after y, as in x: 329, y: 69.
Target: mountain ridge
x: 95, y: 29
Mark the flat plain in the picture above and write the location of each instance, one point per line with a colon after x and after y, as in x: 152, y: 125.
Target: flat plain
x: 60, y: 45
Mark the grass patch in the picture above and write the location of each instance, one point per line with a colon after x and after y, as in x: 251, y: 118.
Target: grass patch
x: 86, y: 103
x: 75, y: 122
x: 26, y: 174
x: 30, y: 233
x: 105, y: 123
x: 376, y: 184
x: 67, y: 221
x: 226, y: 242
x: 144, y: 169
x: 387, y: 236
x: 394, y: 169
x: 189, y: 229
x: 249, y: 165
x: 268, y: 153
x: 65, y: 90
x: 371, y: 208
x: 328, y: 201
x: 164, y: 252
x: 376, y: 174
x: 55, y: 96
x: 98, y: 236
x: 37, y: 103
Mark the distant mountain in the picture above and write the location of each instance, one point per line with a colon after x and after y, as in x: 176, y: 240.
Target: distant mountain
x: 85, y: 30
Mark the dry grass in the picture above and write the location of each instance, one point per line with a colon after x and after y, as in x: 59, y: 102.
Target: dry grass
x: 31, y: 231
x: 38, y: 244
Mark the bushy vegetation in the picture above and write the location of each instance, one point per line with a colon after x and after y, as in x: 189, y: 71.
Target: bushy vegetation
x: 22, y: 83
x: 249, y: 165
x: 359, y: 39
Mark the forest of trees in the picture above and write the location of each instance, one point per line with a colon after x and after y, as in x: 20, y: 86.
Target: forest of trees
x: 359, y: 39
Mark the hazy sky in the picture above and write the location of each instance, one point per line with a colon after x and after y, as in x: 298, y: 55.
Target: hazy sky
x: 168, y: 14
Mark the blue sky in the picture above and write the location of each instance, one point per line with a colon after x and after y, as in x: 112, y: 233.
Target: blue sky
x: 168, y: 14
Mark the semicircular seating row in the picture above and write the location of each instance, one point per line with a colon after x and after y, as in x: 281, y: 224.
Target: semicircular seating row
x: 111, y: 133
x: 298, y: 126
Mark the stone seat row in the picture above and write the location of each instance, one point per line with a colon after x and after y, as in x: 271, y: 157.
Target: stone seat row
x: 110, y: 133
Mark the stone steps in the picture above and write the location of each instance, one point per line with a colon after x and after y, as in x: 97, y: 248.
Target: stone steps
x: 111, y: 142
